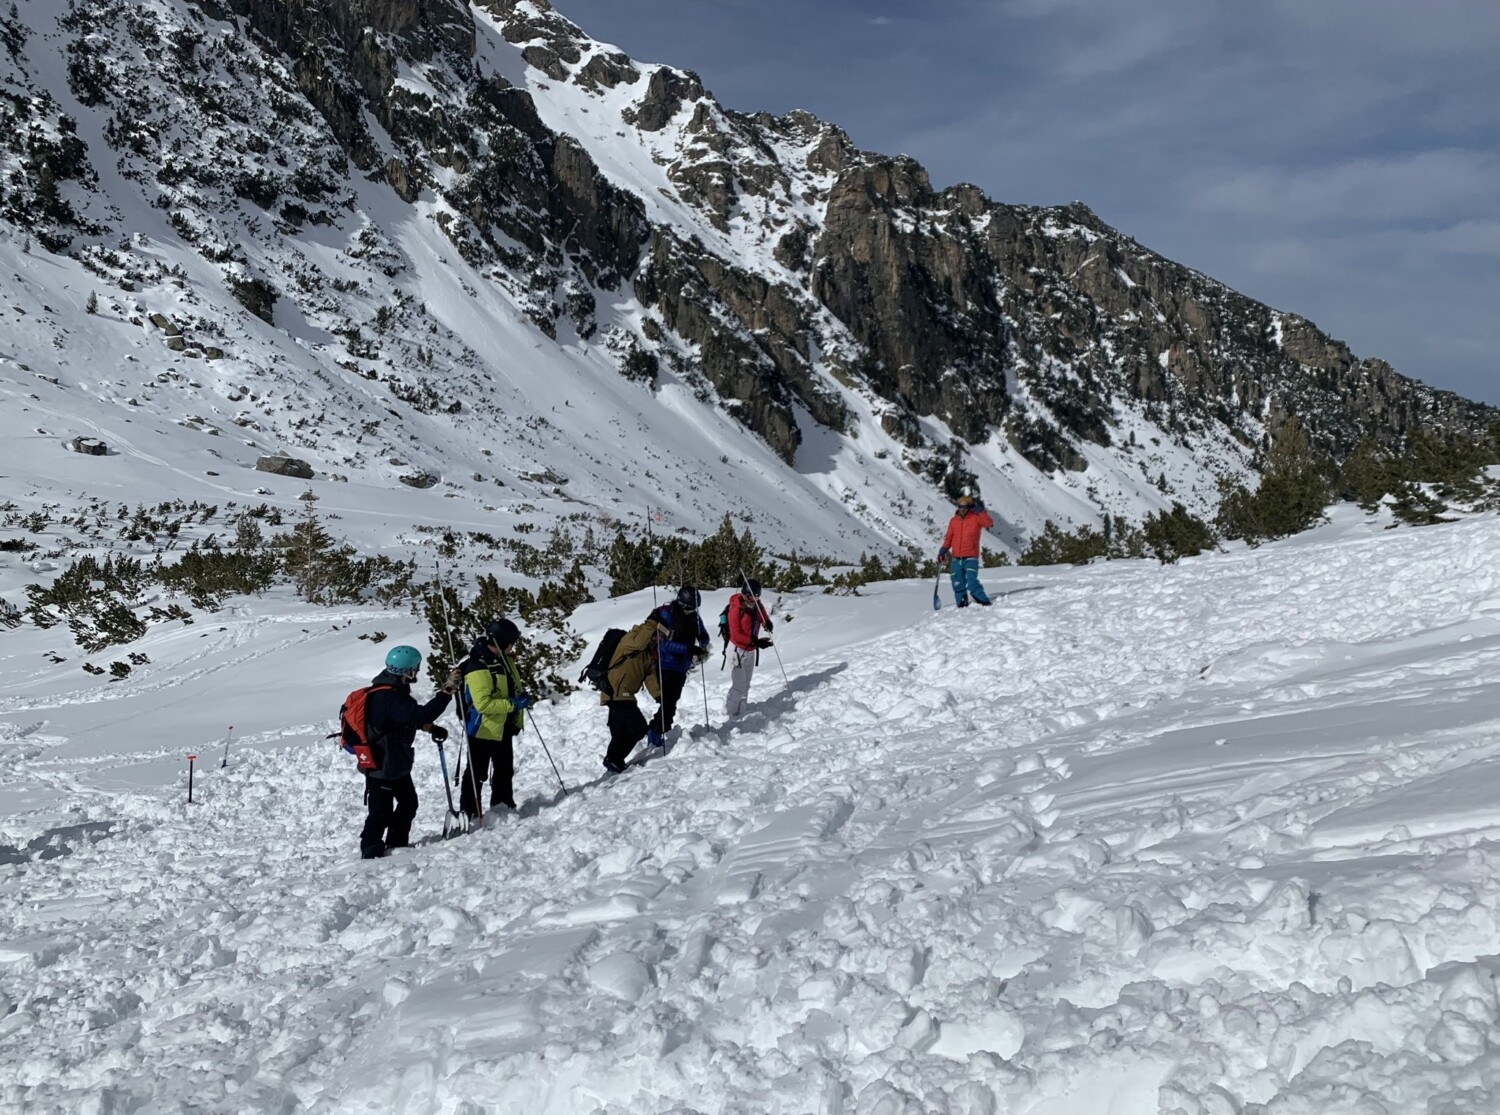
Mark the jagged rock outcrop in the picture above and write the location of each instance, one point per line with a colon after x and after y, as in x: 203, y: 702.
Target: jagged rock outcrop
x: 915, y: 295
x: 279, y: 465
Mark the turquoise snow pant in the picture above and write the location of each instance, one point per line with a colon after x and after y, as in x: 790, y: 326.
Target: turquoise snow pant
x: 964, y: 573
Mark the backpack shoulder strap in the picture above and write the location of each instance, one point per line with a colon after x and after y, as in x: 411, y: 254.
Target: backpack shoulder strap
x: 371, y: 690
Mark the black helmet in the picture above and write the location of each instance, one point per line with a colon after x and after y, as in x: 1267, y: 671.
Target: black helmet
x: 689, y: 598
x: 502, y: 632
x: 754, y: 587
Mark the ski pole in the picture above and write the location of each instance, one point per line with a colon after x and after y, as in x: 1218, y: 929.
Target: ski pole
x: 532, y: 721
x: 784, y: 680
x: 703, y: 681
x: 651, y: 540
x: 228, y: 735
x: 660, y: 685
x: 458, y: 697
x: 191, y: 758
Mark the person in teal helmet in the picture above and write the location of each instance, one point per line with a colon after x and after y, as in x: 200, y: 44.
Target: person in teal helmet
x: 392, y: 719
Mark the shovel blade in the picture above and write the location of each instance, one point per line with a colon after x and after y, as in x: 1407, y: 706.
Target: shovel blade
x: 455, y: 824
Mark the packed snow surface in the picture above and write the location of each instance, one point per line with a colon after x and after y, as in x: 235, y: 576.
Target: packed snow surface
x: 1208, y: 839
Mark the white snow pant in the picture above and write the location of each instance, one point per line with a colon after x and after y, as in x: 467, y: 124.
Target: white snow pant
x: 742, y: 669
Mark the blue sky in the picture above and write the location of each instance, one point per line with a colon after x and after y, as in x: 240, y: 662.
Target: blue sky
x: 1336, y: 158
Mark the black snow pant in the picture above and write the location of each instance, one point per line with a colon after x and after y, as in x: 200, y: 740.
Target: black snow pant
x: 627, y: 727
x: 393, y: 807
x: 492, y: 761
x: 671, y: 692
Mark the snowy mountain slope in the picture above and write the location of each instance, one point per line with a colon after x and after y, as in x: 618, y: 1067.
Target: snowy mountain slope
x: 466, y: 243
x: 1201, y: 838
x: 532, y: 412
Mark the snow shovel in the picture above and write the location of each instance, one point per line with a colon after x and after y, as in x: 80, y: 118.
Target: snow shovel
x: 455, y: 823
x: 937, y: 602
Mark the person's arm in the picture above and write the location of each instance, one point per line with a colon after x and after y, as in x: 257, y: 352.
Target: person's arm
x: 400, y: 710
x: 433, y: 708
x: 983, y: 519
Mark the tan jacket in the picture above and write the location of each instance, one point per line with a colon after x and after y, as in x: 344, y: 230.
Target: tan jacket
x: 634, y: 663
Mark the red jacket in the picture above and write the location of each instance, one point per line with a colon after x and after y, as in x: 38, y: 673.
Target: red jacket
x: 745, y: 622
x: 962, y: 539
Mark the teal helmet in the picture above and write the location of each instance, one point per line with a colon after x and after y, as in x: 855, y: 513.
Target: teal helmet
x: 403, y: 661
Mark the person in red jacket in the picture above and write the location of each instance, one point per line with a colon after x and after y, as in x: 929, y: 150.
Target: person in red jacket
x: 961, y: 543
x: 747, y: 621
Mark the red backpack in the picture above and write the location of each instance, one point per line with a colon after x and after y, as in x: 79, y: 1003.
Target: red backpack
x: 352, y: 735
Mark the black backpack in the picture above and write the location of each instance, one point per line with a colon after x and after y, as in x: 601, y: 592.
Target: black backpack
x: 596, y: 673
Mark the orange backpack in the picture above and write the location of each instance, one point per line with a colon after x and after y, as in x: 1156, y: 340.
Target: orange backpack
x: 352, y: 735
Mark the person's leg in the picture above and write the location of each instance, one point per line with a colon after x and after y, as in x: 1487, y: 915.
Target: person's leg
x: 399, y: 834
x: 971, y: 574
x: 739, y: 682
x: 956, y: 576
x: 489, y: 760
x: 381, y: 800
x: 502, y: 781
x: 471, y: 778
x: 671, y: 693
x: 627, y: 727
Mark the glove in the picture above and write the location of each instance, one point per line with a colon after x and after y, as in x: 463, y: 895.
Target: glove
x: 455, y: 679
x: 439, y: 733
x: 943, y: 554
x: 763, y: 644
x: 521, y: 702
x: 700, y: 656
x: 979, y: 505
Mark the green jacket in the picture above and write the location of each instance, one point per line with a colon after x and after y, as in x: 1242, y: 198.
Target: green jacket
x: 489, y: 684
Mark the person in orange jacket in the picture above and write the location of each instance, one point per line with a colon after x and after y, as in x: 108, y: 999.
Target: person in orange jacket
x: 961, y: 544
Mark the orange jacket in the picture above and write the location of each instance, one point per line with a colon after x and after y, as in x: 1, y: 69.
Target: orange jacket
x: 962, y: 539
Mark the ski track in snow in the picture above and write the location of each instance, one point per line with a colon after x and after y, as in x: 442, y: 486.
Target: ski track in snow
x: 1204, y: 839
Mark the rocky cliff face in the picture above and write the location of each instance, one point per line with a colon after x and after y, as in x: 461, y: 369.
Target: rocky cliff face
x: 804, y: 286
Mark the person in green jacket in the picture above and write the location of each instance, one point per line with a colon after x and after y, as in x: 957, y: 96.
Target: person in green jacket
x: 494, y: 713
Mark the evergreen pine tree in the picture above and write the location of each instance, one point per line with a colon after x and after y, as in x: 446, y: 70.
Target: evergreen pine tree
x: 1367, y: 474
x: 306, y: 554
x: 1294, y: 488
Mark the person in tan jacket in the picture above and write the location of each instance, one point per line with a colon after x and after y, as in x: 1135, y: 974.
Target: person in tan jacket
x: 634, y: 665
